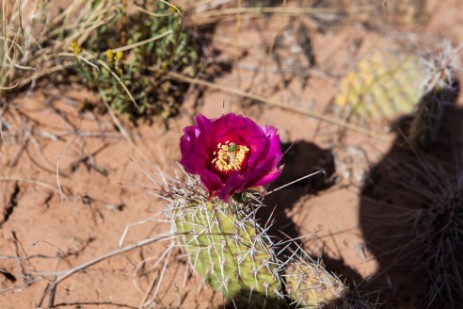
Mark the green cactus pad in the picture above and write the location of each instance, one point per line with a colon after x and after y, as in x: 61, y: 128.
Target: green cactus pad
x: 229, y: 250
x: 383, y: 85
x: 309, y: 285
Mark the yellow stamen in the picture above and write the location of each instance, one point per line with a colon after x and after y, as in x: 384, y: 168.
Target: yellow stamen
x: 229, y: 157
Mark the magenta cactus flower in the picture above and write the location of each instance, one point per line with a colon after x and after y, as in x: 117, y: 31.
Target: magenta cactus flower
x: 230, y: 154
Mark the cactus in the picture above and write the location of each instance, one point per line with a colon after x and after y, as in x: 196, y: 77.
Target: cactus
x: 310, y: 286
x: 443, y: 226
x: 236, y: 257
x: 384, y: 85
x: 387, y: 85
x: 438, y: 90
x: 231, y: 252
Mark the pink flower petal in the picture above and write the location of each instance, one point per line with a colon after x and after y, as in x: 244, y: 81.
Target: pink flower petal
x: 199, y: 147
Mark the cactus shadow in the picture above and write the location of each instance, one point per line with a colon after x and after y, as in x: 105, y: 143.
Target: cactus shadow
x: 252, y: 300
x: 399, y: 221
x: 300, y: 159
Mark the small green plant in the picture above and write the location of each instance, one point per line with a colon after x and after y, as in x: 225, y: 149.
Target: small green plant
x: 125, y: 52
x: 134, y: 54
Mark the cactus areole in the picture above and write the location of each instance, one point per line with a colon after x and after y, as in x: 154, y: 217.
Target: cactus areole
x: 230, y: 154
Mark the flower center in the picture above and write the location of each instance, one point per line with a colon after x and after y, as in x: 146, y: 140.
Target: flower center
x: 229, y: 157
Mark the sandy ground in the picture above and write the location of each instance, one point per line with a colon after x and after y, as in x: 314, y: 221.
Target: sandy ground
x: 72, y: 183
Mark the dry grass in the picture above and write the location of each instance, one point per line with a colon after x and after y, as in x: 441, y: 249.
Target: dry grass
x: 37, y: 44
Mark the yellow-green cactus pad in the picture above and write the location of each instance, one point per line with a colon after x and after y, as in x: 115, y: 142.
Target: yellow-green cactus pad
x: 230, y: 251
x: 382, y: 86
x: 310, y: 286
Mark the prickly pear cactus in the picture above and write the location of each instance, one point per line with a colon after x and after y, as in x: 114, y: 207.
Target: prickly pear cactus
x: 309, y: 285
x: 229, y: 250
x: 235, y: 256
x: 384, y: 85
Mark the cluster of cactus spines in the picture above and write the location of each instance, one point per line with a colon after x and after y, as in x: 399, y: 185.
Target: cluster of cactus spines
x: 383, y: 85
x: 429, y: 216
x: 445, y: 245
x: 310, y: 285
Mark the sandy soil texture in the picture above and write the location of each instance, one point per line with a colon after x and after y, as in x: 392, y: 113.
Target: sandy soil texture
x: 76, y: 185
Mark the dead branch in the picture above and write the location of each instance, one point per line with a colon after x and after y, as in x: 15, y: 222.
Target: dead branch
x: 58, y: 277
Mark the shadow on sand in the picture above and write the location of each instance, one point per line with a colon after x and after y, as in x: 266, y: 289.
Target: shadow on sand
x: 411, y: 216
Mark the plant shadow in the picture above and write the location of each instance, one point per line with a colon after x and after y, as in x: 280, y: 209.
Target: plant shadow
x: 300, y: 159
x: 246, y: 299
x: 410, y: 221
